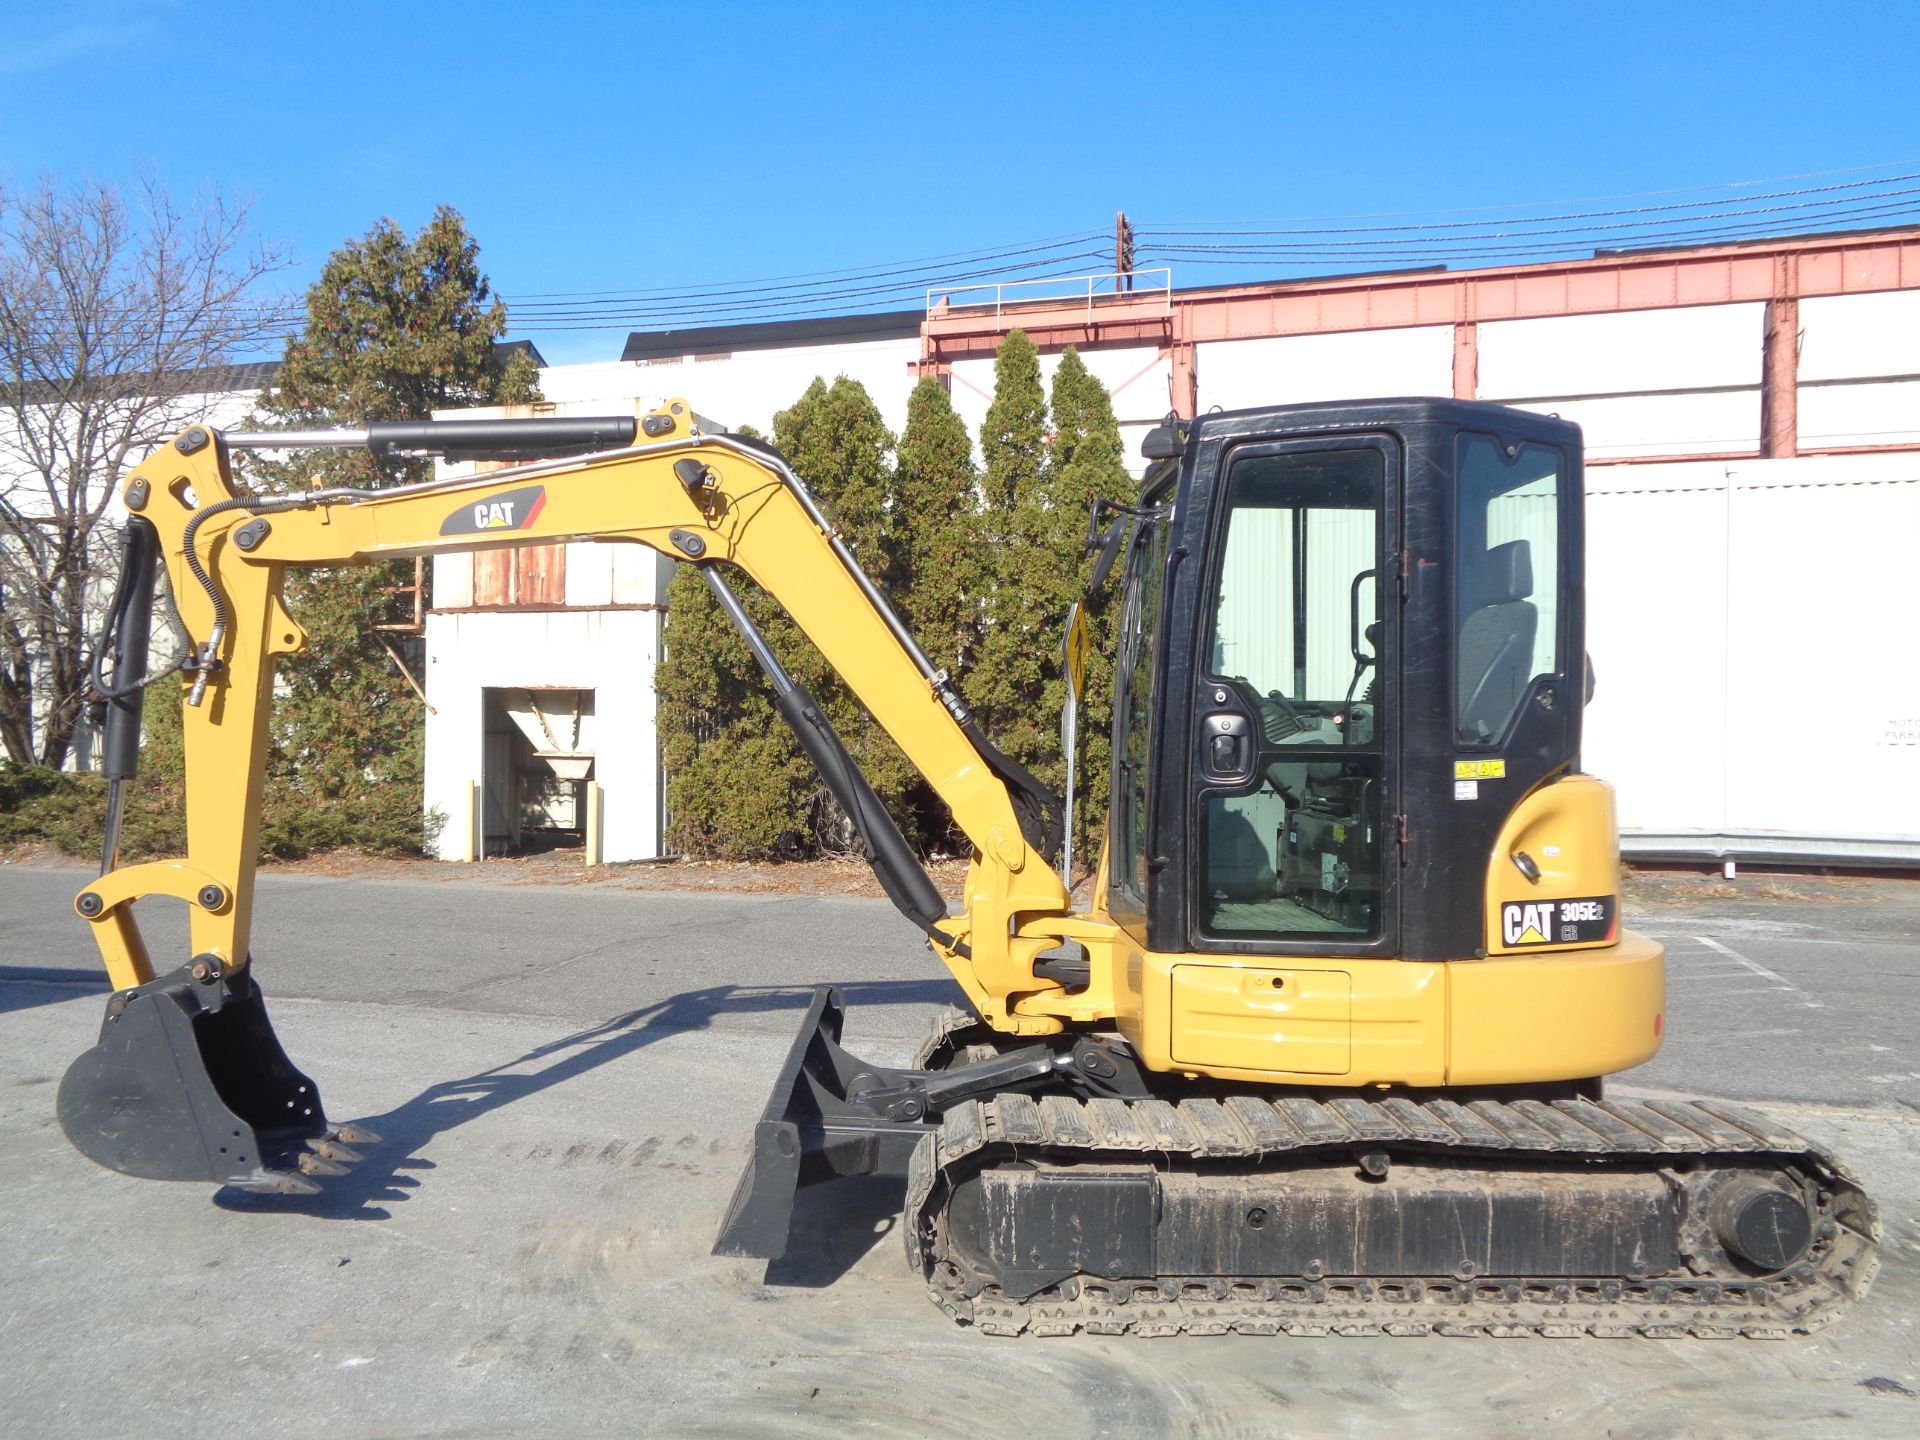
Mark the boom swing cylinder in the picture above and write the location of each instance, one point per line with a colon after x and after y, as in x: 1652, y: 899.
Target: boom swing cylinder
x: 1312, y: 982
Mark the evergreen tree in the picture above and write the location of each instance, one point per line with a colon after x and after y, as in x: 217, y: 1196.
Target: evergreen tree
x: 737, y: 785
x: 1085, y: 463
x: 1018, y: 644
x: 837, y: 442
x: 396, y: 328
x: 941, y: 563
x: 985, y: 588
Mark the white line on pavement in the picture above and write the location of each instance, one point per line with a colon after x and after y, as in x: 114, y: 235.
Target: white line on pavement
x: 1755, y: 966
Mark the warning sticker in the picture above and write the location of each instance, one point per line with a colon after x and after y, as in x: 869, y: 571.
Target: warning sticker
x: 1479, y: 769
x: 1466, y: 789
x: 1557, y: 922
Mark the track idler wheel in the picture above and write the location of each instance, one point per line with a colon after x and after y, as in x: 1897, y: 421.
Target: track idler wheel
x: 1761, y: 1222
x: 188, y: 1082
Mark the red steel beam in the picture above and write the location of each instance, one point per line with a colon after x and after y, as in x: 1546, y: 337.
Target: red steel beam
x: 971, y: 333
x: 1780, y: 380
x: 1727, y: 275
x: 1794, y: 269
x: 1466, y: 361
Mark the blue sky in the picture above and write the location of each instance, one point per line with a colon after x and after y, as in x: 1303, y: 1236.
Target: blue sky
x: 613, y: 148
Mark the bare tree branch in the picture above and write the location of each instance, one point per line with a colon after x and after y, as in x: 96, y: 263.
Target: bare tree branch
x: 117, y: 311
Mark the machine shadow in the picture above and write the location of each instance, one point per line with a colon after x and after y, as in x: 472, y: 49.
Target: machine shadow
x: 388, y: 1171
x: 22, y: 987
x: 834, y: 1226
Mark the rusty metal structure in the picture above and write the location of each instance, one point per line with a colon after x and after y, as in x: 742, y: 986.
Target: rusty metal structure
x: 1777, y: 272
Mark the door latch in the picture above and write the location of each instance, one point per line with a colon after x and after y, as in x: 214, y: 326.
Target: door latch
x: 1228, y: 741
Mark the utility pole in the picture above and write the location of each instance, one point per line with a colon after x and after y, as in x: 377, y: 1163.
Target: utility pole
x: 1122, y: 253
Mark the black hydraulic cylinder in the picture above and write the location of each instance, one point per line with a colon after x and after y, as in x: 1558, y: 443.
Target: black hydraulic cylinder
x: 549, y: 437
x: 908, y: 885
x: 132, y: 626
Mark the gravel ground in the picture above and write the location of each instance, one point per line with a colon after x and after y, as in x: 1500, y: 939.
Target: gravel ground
x: 564, y: 1075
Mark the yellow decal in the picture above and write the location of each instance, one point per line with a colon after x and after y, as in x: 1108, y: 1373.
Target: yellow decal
x: 1479, y: 769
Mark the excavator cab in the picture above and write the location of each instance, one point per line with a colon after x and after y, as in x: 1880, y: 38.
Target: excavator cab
x: 1365, y: 651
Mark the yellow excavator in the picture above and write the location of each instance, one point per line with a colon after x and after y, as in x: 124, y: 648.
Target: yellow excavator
x: 1325, y: 1052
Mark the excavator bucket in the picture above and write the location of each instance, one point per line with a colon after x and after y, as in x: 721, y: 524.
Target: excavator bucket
x: 188, y: 1082
x: 812, y: 1130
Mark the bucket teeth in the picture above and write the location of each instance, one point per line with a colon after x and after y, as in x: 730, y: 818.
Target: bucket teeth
x: 304, y: 1163
x: 279, y: 1182
x: 328, y: 1147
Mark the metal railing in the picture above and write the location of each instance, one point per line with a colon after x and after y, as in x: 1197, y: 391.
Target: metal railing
x: 1084, y: 289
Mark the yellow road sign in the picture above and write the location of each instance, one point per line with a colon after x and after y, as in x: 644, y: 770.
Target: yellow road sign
x: 1077, y: 646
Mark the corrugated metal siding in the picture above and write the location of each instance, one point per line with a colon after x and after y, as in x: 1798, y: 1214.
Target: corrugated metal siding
x: 1340, y: 544
x: 1283, y: 369
x: 1748, y: 625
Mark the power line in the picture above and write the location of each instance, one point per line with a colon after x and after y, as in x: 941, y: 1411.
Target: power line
x: 801, y: 307
x: 1385, y: 232
x: 870, y: 294
x: 1479, y: 248
x: 561, y: 299
x: 1560, y: 204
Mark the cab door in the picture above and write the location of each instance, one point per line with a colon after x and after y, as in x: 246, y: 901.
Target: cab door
x: 1293, y: 761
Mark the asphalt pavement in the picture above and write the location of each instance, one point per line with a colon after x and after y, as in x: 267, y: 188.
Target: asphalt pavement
x: 564, y: 1077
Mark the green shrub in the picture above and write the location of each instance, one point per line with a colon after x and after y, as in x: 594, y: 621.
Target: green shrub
x: 39, y: 806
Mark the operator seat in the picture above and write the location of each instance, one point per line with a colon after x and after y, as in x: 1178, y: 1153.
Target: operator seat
x: 1496, y: 641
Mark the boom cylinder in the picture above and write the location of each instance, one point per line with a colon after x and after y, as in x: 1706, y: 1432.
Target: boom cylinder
x: 539, y: 437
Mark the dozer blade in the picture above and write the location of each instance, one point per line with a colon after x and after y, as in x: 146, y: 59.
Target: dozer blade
x: 809, y: 1132
x: 188, y: 1082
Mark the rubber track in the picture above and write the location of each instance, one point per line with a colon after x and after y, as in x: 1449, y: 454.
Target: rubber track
x: 1061, y: 1129
x: 946, y: 1021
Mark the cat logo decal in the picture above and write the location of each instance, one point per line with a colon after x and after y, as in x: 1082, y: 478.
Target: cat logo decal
x: 509, y: 510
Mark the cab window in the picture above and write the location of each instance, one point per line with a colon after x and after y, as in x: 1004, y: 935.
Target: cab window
x: 1506, y: 612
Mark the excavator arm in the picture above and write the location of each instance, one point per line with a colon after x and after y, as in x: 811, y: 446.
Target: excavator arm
x: 704, y: 499
x: 669, y: 482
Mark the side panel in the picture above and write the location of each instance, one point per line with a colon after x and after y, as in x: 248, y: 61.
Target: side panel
x: 1251, y: 1017
x: 1565, y: 831
x: 1396, y: 1031
x: 1594, y: 1012
x: 1511, y: 1020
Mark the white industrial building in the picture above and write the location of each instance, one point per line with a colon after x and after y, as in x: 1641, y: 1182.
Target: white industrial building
x: 1752, y: 415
